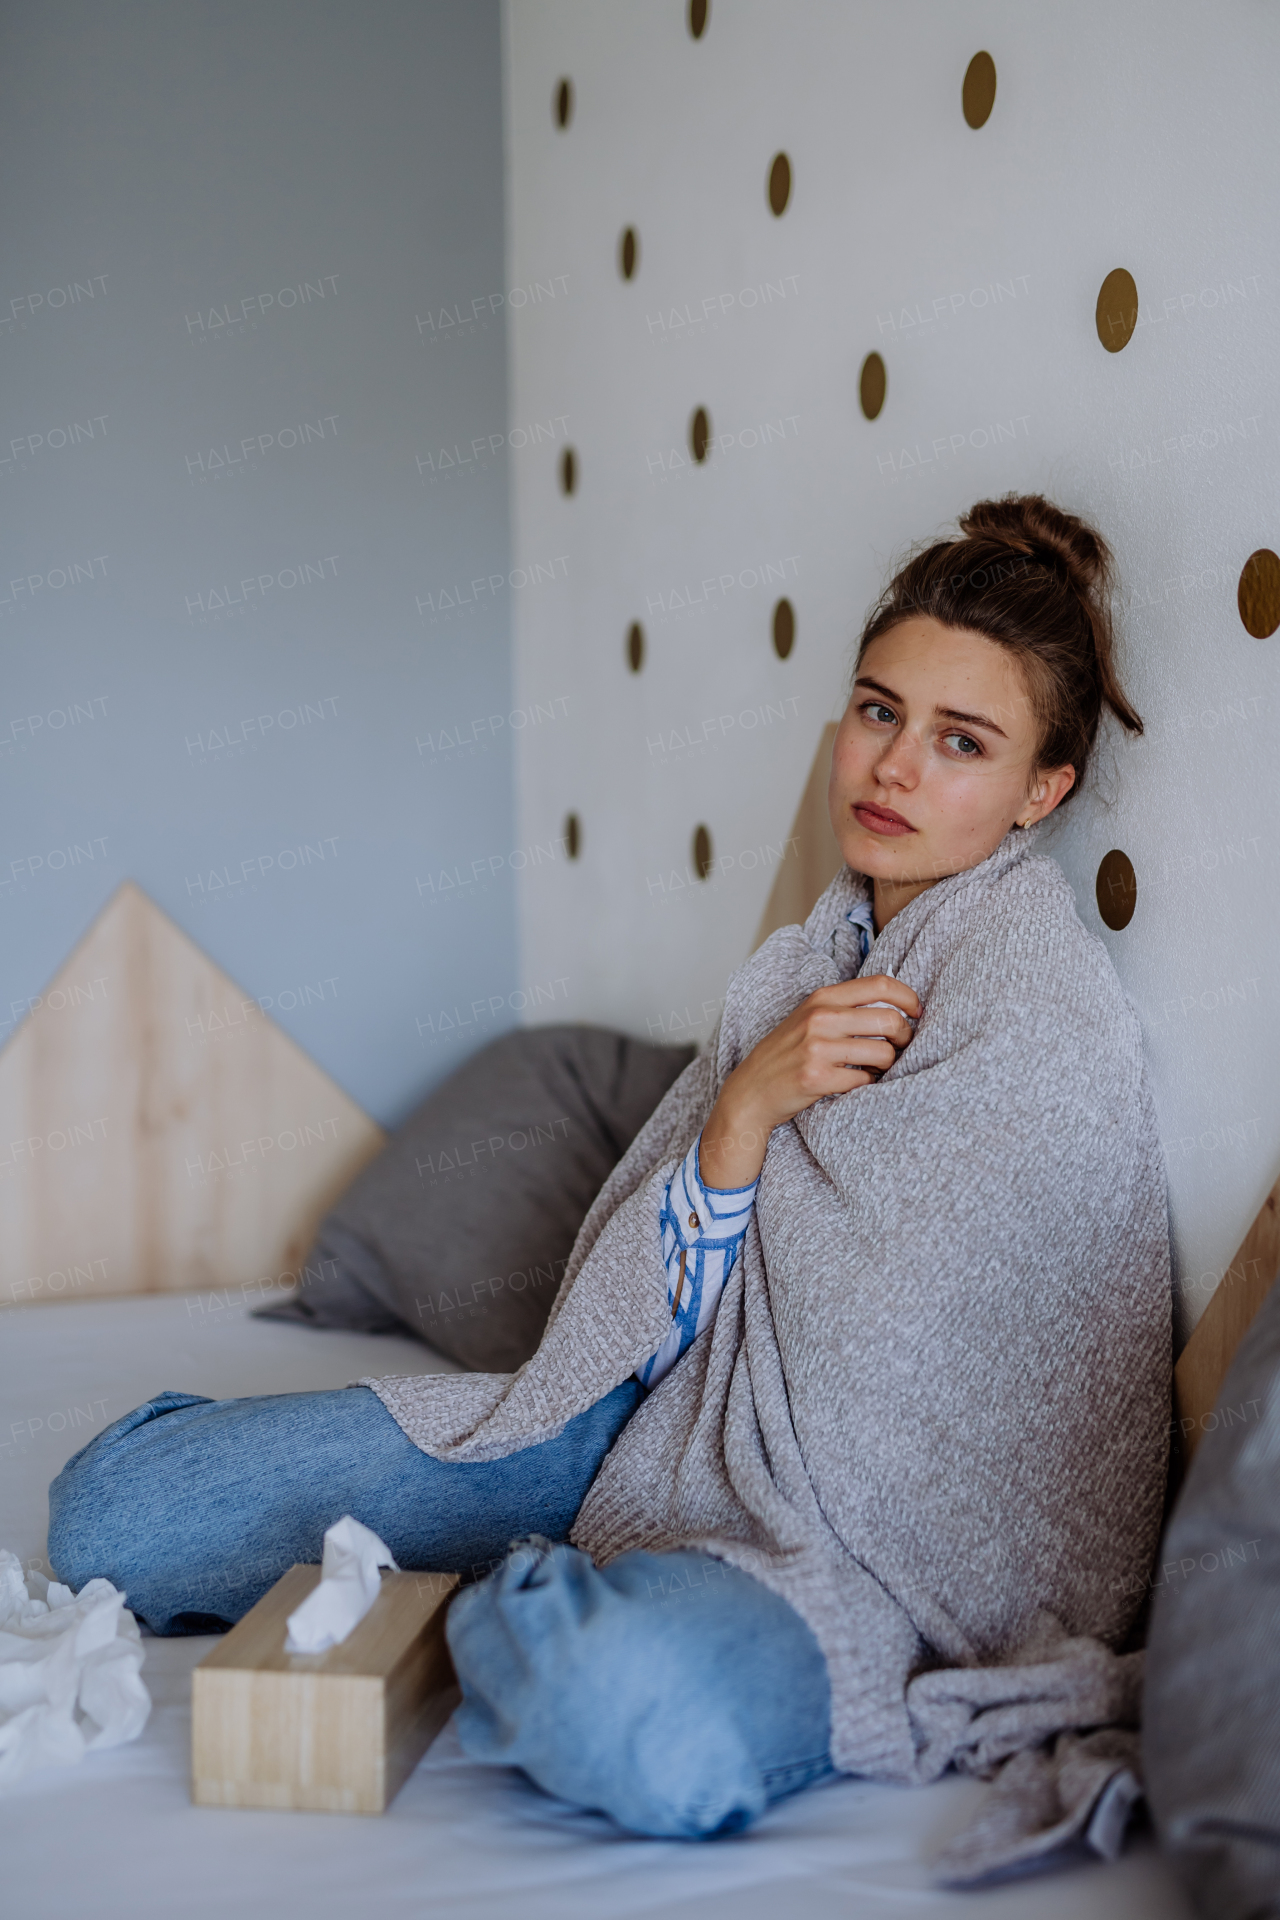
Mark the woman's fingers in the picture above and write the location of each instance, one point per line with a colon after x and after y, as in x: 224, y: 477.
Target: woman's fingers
x: 837, y: 1078
x: 860, y: 1050
x: 883, y: 986
x: 862, y: 1021
x: 874, y: 986
x: 820, y: 1071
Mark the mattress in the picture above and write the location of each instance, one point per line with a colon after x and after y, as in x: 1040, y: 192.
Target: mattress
x: 117, y: 1838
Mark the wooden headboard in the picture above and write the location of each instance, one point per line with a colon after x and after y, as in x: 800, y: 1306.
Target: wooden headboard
x: 161, y: 1131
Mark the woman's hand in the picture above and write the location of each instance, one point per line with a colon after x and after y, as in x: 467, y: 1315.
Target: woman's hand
x: 832, y: 1043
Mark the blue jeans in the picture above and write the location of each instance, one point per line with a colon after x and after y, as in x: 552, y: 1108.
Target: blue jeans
x: 669, y: 1690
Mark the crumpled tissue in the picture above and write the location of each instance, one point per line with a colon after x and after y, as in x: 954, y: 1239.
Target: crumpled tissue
x: 69, y: 1679
x: 348, y: 1586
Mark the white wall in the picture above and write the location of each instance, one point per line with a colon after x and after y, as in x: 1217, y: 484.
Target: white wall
x: 1139, y: 136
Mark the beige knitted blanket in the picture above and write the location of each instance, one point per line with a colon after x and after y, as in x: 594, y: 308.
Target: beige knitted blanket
x: 933, y: 1409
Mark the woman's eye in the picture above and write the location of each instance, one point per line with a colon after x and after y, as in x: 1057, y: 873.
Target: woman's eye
x: 875, y: 711
x: 966, y: 747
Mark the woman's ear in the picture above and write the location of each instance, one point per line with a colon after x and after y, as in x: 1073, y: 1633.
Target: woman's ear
x: 1046, y: 792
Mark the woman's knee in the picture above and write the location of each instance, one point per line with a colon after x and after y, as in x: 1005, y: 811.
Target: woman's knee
x: 98, y: 1511
x: 610, y: 1692
x: 85, y: 1523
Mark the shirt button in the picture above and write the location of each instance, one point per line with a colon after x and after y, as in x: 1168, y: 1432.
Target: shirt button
x: 694, y: 1220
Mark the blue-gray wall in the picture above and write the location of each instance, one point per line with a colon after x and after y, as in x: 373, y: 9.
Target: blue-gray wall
x: 233, y: 233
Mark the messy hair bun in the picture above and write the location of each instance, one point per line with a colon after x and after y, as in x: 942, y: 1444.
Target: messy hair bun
x: 1038, y: 582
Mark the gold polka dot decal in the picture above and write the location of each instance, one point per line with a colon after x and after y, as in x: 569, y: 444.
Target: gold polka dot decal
x: 572, y: 835
x: 873, y: 384
x: 699, y: 15
x: 784, y: 628
x: 1117, y: 890
x: 635, y: 646
x: 702, y: 853
x: 779, y: 184
x: 629, y: 254
x: 1117, y: 311
x: 562, y: 104
x: 568, y: 471
x: 700, y: 435
x: 1258, y: 596
x: 978, y: 94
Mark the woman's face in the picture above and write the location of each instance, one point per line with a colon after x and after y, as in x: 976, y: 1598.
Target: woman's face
x: 932, y: 762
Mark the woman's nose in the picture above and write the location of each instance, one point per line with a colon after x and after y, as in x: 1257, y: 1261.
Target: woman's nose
x: 898, y: 764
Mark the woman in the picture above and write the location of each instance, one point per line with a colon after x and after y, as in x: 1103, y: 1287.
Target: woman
x: 854, y: 1400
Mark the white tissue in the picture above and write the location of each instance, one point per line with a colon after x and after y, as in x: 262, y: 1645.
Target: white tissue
x: 348, y: 1586
x: 69, y: 1679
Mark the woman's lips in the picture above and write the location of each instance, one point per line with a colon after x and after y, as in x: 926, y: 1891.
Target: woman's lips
x: 882, y: 820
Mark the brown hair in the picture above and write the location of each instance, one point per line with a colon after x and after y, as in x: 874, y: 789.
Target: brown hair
x: 1038, y: 582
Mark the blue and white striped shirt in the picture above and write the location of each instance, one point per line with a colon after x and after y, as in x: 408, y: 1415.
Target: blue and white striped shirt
x: 703, y: 1229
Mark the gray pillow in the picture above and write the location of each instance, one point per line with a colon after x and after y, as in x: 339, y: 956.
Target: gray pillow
x: 460, y: 1230
x: 1211, y: 1739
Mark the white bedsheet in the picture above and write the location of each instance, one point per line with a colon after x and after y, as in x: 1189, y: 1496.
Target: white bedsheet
x: 117, y: 1838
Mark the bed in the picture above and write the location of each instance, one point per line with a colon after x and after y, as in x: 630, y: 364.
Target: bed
x: 118, y: 1836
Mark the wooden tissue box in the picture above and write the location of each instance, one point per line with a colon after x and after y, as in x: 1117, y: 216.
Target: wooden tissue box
x: 337, y: 1732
